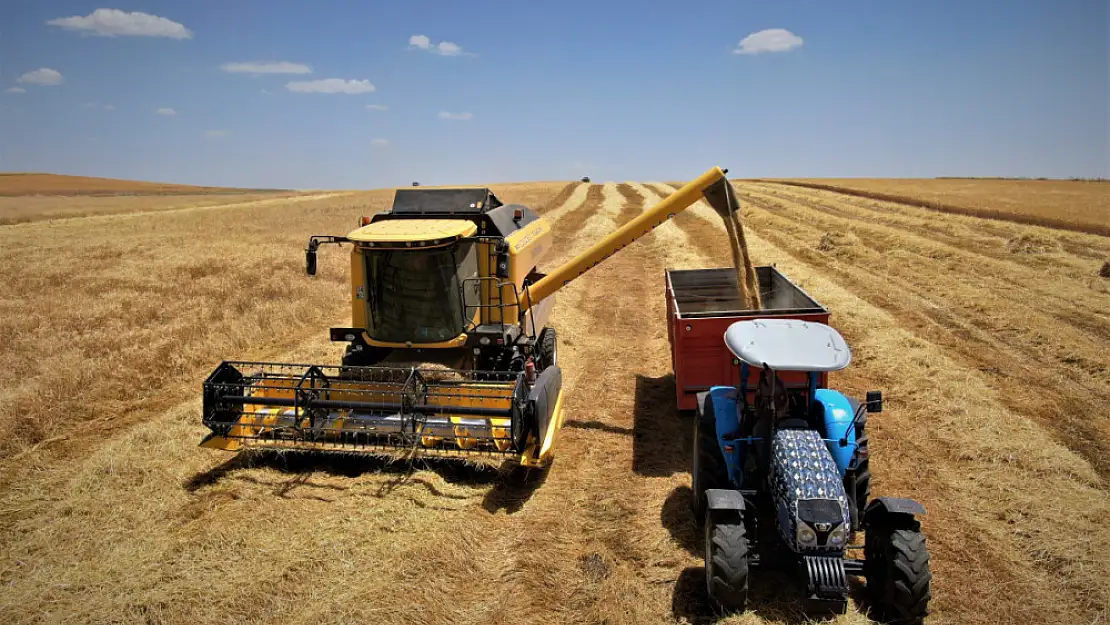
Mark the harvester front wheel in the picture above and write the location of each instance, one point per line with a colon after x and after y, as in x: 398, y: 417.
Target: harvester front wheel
x: 709, y: 470
x: 362, y: 355
x: 548, y: 348
x: 896, y: 566
x: 726, y: 561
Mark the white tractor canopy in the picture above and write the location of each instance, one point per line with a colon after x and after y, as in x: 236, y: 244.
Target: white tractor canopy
x: 788, y: 345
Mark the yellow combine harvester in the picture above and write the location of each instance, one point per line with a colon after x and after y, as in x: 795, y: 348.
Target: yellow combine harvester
x: 448, y: 351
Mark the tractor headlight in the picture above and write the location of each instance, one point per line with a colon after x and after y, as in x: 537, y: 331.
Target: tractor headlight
x: 806, y: 535
x: 838, y: 536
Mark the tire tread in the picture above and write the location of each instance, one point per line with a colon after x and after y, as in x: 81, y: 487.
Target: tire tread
x: 729, y: 554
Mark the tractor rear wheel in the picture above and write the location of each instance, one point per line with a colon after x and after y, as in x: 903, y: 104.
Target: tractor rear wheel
x: 726, y: 561
x: 709, y: 470
x: 896, y: 566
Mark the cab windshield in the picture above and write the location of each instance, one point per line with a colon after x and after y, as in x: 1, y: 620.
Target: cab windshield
x: 417, y: 294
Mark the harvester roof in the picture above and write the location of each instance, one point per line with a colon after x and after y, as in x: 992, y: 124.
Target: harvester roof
x: 422, y: 232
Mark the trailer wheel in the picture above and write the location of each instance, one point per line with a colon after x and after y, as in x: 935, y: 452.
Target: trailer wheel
x: 896, y: 566
x: 726, y: 561
x: 548, y: 348
x: 709, y: 470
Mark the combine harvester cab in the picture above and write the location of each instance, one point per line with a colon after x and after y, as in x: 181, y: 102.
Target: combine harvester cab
x: 448, y: 351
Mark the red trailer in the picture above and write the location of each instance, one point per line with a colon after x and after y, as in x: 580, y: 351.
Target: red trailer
x: 703, y: 303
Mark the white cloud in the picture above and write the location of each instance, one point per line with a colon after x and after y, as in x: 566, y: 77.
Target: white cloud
x: 266, y: 67
x: 168, y: 112
x: 770, y: 40
x: 447, y: 48
x: 462, y: 116
x: 377, y: 107
x: 330, y: 85
x: 215, y: 134
x: 42, y: 76
x: 381, y: 143
x: 16, y: 90
x: 267, y: 92
x: 443, y: 48
x: 113, y: 22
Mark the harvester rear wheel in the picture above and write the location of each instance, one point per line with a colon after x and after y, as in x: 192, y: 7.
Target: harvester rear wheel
x: 896, y: 566
x: 726, y: 561
x: 709, y: 470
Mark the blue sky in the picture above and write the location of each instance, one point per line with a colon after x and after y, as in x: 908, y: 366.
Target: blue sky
x: 554, y: 90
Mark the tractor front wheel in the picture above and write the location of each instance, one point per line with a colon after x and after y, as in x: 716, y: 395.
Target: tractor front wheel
x: 726, y: 561
x: 862, y: 482
x: 709, y: 470
x: 896, y: 566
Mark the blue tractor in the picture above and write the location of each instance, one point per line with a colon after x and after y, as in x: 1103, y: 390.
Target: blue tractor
x: 781, y: 479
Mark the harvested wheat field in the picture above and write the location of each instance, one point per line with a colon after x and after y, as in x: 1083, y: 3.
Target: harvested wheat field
x: 988, y: 338
x: 23, y: 184
x: 1080, y: 205
x: 36, y: 197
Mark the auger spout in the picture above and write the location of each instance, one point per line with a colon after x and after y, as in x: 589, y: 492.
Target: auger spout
x: 713, y: 186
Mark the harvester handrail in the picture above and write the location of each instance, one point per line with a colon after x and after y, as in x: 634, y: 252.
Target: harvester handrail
x: 647, y: 221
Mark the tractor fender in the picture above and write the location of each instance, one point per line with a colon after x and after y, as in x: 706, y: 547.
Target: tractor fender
x: 724, y: 499
x: 722, y: 401
x: 838, y: 415
x: 886, y: 507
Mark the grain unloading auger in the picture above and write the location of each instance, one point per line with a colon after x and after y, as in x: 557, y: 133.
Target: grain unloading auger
x: 448, y: 352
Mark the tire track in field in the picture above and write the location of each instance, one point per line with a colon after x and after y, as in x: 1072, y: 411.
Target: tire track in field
x: 949, y: 449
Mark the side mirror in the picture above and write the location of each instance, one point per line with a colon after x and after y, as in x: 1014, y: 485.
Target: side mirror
x: 874, y: 401
x: 310, y: 262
